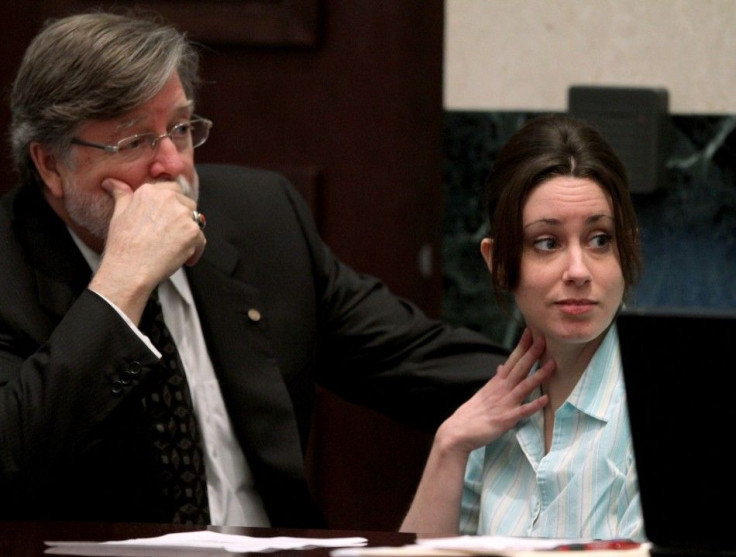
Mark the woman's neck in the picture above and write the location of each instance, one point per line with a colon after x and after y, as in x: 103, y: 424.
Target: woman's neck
x: 571, y: 361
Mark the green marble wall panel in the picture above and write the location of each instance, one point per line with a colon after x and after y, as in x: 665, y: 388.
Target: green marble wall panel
x: 688, y: 227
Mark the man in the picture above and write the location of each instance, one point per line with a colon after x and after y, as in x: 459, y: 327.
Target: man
x: 108, y: 413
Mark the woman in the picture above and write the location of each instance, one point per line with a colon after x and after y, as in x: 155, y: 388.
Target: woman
x: 544, y: 448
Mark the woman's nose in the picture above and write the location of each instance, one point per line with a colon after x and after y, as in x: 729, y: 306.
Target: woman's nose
x: 577, y: 270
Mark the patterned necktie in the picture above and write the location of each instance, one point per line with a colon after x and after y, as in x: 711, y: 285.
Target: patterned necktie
x: 174, y: 430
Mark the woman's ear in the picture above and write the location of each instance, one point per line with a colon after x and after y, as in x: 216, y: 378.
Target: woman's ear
x: 486, y: 250
x: 46, y: 165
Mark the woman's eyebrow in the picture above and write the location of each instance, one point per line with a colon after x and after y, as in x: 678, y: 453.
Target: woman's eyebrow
x: 544, y: 220
x: 550, y: 221
x: 595, y: 218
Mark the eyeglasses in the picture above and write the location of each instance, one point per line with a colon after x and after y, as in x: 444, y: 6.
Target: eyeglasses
x: 184, y: 135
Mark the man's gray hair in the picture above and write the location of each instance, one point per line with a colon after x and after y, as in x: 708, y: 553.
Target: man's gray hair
x: 91, y: 66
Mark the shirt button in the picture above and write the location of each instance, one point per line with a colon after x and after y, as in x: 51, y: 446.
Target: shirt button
x: 254, y: 315
x: 117, y: 387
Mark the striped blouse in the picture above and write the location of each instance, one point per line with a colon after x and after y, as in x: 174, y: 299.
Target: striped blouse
x: 585, y: 487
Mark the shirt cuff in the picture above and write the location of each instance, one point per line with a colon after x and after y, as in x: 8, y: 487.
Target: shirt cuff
x: 132, y: 326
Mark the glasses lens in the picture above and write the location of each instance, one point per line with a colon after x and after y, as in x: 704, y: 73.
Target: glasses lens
x: 200, y: 130
x: 133, y: 146
x: 181, y: 135
x: 186, y: 135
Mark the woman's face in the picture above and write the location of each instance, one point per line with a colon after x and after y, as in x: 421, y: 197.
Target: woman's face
x: 571, y: 284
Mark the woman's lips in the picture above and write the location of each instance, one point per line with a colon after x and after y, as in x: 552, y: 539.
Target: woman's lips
x: 575, y: 307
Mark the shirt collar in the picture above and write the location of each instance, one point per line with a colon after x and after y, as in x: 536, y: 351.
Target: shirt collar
x: 600, y: 388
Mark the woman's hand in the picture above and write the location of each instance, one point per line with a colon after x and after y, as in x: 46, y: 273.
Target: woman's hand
x: 493, y: 410
x: 499, y: 404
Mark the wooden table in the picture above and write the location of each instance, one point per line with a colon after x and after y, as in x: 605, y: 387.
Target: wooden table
x: 26, y: 538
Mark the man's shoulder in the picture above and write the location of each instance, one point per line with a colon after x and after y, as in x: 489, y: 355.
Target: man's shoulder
x: 263, y: 198
x: 230, y: 186
x: 233, y: 175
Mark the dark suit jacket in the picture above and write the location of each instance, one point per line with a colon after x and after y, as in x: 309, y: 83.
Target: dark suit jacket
x: 72, y: 372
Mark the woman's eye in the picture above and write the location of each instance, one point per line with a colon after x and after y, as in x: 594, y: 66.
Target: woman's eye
x: 545, y: 244
x: 600, y: 240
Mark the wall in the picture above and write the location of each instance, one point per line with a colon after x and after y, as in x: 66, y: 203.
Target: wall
x: 507, y: 61
x: 523, y: 54
x: 345, y: 98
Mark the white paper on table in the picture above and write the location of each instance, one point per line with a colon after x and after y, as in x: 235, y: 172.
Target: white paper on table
x: 487, y: 546
x: 495, y: 543
x: 457, y: 546
x: 207, y: 541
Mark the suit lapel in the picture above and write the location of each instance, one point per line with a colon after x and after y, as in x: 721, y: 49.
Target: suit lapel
x: 256, y: 396
x: 251, y: 382
x: 252, y: 385
x: 61, y: 271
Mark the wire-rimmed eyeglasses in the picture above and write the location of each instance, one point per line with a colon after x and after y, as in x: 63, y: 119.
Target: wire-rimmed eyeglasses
x: 184, y: 135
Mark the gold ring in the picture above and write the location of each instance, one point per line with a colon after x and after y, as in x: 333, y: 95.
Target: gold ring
x: 200, y: 219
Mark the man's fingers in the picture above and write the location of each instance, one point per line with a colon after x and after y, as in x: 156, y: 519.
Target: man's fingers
x: 197, y: 255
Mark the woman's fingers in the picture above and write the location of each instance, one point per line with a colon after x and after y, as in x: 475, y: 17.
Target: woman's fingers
x: 525, y: 342
x: 528, y: 358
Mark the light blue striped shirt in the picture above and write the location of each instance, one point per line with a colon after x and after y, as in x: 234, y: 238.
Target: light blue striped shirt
x: 585, y: 487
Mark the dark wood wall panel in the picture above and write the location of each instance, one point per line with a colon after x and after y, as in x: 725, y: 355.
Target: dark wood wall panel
x: 344, y: 97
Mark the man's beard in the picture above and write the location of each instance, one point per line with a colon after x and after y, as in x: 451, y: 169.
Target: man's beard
x: 94, y: 212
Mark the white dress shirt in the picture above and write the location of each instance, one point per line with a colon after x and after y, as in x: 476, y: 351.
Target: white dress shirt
x: 233, y: 499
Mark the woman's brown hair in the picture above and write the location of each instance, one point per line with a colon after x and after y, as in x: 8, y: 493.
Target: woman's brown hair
x: 544, y: 148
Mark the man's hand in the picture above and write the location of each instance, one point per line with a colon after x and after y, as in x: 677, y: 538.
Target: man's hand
x: 152, y: 233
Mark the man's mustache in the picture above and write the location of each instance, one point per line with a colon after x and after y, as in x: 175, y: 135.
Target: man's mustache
x: 186, y: 187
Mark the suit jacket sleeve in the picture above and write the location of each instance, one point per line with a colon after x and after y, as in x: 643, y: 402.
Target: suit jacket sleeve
x: 370, y: 346
x: 382, y: 351
x: 54, y: 403
x: 68, y: 361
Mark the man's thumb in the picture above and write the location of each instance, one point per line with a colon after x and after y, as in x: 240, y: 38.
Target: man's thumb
x: 116, y: 188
